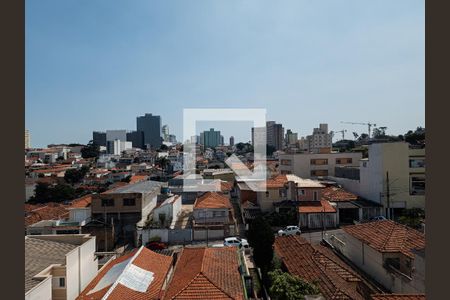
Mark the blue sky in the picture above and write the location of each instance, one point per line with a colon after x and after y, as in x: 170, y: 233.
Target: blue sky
x: 97, y: 64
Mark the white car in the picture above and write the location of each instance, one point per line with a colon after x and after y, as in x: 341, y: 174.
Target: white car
x: 289, y: 230
x: 235, y: 241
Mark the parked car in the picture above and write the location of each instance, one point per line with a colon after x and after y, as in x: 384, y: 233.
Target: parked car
x: 289, y: 230
x: 156, y: 246
x: 236, y: 241
x: 378, y: 218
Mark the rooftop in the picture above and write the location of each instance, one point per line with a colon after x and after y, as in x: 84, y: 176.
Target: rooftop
x: 140, y: 187
x: 315, y: 207
x: 40, y: 254
x: 280, y: 180
x: 137, y: 275
x: 206, y: 273
x: 398, y: 297
x: 388, y: 236
x: 336, y: 194
x: 212, y: 200
x: 334, y: 278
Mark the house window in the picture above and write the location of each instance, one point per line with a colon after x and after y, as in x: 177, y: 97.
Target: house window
x: 301, y: 192
x: 62, y: 282
x: 341, y: 161
x: 286, y: 162
x: 267, y: 194
x: 417, y: 162
x: 319, y: 172
x: 417, y: 185
x: 107, y: 202
x: 129, y: 202
x: 282, y: 192
x: 319, y: 161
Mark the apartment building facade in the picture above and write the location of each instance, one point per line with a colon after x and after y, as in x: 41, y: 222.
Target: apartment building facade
x: 313, y: 165
x: 393, y: 175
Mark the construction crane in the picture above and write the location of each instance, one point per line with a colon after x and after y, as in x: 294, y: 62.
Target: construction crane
x: 343, y: 131
x: 369, y: 125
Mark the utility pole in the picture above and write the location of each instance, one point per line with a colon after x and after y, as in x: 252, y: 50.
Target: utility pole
x: 387, y: 196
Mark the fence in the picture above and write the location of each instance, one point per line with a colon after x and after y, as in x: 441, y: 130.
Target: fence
x: 169, y: 236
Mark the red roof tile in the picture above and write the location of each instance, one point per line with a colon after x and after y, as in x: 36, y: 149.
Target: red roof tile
x: 138, y: 178
x: 50, y: 211
x: 307, y: 207
x: 84, y: 201
x: 318, y: 264
x: 143, y: 258
x: 388, y: 236
x: 212, y: 200
x: 398, y: 297
x: 336, y: 194
x: 276, y: 182
x: 206, y: 273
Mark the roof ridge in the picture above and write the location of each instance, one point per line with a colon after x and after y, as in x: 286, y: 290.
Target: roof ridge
x: 389, y: 236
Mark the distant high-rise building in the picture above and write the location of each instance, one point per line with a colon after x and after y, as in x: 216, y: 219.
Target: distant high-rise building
x: 112, y: 135
x: 291, y: 137
x: 151, y: 127
x: 165, y: 133
x: 172, y: 139
x: 320, y: 140
x: 275, y: 134
x: 195, y: 139
x: 136, y: 138
x: 99, y: 138
x: 231, y: 140
x: 221, y: 140
x: 116, y: 147
x: 211, y: 138
x: 27, y: 139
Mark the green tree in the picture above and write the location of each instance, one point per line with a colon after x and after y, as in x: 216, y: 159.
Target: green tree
x: 45, y: 192
x: 261, y: 238
x: 73, y: 176
x: 164, y: 147
x: 91, y: 150
x: 287, y: 287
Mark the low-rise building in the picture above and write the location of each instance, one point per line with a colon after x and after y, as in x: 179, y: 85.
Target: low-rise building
x: 127, y: 207
x: 318, y: 265
x: 141, y: 274
x: 313, y: 165
x: 207, y: 273
x: 386, y: 251
x: 58, y: 267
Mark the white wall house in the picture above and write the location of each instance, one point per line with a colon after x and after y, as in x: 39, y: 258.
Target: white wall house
x: 169, y: 211
x: 58, y: 267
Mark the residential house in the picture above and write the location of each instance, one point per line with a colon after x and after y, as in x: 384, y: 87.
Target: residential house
x: 167, y: 212
x: 222, y: 174
x: 213, y: 216
x: 397, y: 297
x: 386, y: 251
x: 127, y: 207
x: 58, y: 267
x: 140, y: 274
x: 207, y: 273
x: 350, y: 207
x: 318, y: 265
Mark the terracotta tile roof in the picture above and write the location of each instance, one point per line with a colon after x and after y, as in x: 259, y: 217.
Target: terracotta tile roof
x: 388, y: 236
x: 336, y: 194
x: 226, y: 186
x: 307, y: 207
x: 51, y: 211
x: 84, y: 201
x: 143, y: 258
x: 318, y: 264
x: 206, y: 273
x: 276, y: 182
x: 398, y: 297
x: 212, y: 200
x: 137, y: 178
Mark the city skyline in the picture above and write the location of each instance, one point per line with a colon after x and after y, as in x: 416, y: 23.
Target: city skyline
x: 306, y: 63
